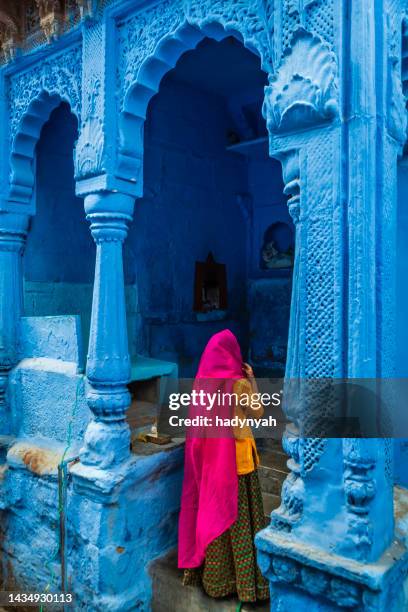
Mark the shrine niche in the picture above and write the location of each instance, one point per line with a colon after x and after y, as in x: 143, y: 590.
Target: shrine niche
x: 210, y: 286
x: 277, y: 250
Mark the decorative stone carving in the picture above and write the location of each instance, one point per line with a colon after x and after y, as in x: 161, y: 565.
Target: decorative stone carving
x: 291, y: 178
x: 293, y: 490
x: 292, y: 495
x: 331, y: 579
x: 60, y: 74
x: 397, y: 112
x: 89, y: 147
x: 50, y: 17
x: 359, y: 488
x: 303, y: 93
x: 253, y: 20
x: 297, y: 6
x: 139, y: 35
x: 8, y: 37
x: 314, y: 581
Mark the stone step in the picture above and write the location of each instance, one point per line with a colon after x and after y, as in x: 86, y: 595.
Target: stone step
x: 270, y: 502
x: 272, y: 471
x: 170, y: 595
x: 274, y: 459
x: 271, y: 480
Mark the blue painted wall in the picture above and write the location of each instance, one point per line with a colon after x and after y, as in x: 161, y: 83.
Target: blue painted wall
x: 190, y: 208
x: 60, y: 254
x: 59, y: 245
x: 269, y: 202
x: 402, y: 270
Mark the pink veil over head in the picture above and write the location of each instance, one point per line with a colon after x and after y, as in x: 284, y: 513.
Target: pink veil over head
x: 209, y: 501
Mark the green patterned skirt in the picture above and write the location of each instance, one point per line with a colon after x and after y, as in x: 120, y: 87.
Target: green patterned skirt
x: 230, y: 566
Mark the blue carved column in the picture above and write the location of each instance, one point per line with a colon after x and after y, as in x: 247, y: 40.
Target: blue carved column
x: 107, y: 439
x: 293, y: 490
x: 108, y: 206
x: 13, y: 228
x: 332, y: 545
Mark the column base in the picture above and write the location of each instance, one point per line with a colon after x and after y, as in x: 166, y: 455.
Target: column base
x: 307, y: 575
x: 106, y: 444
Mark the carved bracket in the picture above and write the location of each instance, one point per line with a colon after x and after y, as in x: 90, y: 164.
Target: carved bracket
x: 304, y: 91
x: 89, y: 146
x: 396, y: 83
x: 293, y: 489
x: 359, y: 488
x: 291, y: 179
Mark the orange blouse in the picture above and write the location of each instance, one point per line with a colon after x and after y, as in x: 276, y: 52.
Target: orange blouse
x: 246, y: 452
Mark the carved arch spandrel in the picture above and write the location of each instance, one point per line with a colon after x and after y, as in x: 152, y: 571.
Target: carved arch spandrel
x: 303, y: 92
x: 151, y: 43
x: 22, y: 154
x: 32, y: 96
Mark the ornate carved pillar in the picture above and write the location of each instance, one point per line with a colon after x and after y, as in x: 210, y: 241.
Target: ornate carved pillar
x: 13, y: 228
x: 107, y: 439
x: 291, y: 508
x: 331, y: 544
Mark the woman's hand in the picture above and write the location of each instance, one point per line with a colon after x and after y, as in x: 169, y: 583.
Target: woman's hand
x: 249, y: 374
x: 248, y: 371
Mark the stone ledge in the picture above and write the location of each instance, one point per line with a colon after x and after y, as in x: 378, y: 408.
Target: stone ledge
x: 37, y: 458
x: 346, y: 582
x: 105, y: 486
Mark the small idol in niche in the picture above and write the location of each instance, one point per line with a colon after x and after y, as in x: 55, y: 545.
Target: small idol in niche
x: 277, y: 248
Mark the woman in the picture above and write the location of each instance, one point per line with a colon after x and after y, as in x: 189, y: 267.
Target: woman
x: 221, y: 506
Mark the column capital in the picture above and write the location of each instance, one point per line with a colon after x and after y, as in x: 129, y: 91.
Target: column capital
x: 13, y: 231
x: 109, y: 213
x: 115, y: 203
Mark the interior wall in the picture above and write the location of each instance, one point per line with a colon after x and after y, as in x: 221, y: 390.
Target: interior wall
x: 402, y: 270
x: 60, y: 254
x: 203, y: 193
x: 190, y: 207
x: 269, y: 291
x: 269, y: 202
x: 401, y: 445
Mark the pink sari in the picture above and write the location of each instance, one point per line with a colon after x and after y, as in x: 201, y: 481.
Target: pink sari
x: 209, y: 502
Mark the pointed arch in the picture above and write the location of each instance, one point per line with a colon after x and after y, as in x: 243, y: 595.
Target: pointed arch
x: 23, y: 145
x: 147, y: 83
